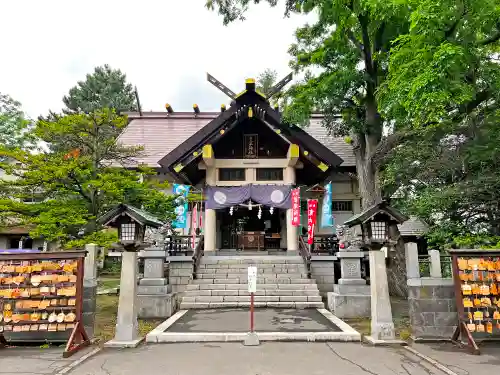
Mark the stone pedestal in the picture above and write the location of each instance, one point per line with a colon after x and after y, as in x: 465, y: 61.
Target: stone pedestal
x: 382, y: 325
x: 127, y: 332
x: 351, y: 296
x: 154, y: 296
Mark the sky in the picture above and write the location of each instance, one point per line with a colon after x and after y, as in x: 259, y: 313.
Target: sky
x: 165, y: 47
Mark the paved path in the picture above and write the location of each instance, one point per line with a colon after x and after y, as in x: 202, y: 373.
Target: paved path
x: 266, y: 359
x: 35, y: 361
x: 460, y: 361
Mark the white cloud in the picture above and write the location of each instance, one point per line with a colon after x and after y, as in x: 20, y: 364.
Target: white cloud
x: 164, y: 46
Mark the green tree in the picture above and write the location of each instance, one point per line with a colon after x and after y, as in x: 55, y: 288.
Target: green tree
x: 84, y: 173
x: 104, y: 88
x: 444, y: 80
x: 344, y: 58
x: 266, y: 81
x: 14, y: 125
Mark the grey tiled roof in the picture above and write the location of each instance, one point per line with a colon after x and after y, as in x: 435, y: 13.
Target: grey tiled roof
x: 413, y: 227
x: 336, y: 144
x: 159, y: 134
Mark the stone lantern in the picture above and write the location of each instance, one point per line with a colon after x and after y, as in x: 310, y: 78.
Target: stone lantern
x: 375, y: 222
x: 131, y: 223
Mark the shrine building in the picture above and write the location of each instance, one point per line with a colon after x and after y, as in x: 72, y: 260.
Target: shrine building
x: 245, y: 161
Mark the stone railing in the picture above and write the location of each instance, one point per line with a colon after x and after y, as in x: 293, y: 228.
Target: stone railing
x: 431, y: 295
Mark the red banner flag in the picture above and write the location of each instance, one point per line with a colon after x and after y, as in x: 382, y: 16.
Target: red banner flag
x: 296, y: 207
x: 312, y: 208
x: 194, y: 221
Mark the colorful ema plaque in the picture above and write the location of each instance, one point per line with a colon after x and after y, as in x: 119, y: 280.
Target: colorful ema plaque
x: 41, y: 298
x: 476, y: 276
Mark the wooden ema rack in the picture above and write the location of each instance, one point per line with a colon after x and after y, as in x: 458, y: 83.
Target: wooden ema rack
x: 42, y: 294
x: 476, y: 275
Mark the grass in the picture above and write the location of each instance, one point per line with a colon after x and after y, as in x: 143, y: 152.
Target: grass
x: 108, y: 283
x: 107, y: 307
x: 401, y: 325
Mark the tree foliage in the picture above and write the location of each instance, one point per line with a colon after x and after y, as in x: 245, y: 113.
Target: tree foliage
x: 104, y: 88
x: 444, y: 80
x: 14, y: 125
x: 83, y: 174
x: 266, y: 81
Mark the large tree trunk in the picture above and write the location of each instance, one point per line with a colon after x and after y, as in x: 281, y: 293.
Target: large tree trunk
x: 371, y: 193
x: 396, y: 272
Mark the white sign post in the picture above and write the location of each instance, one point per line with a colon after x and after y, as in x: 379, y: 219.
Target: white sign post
x: 252, y: 279
x: 252, y: 339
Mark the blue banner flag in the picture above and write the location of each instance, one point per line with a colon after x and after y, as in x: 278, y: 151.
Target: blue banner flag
x: 182, y: 205
x: 326, y: 213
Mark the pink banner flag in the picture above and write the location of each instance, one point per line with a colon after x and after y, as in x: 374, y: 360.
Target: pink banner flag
x: 296, y: 207
x: 312, y: 208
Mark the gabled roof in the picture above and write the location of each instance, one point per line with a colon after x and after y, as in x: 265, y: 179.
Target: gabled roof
x: 413, y: 227
x: 164, y: 135
x: 248, y: 104
x: 140, y: 216
x: 381, y: 207
x: 160, y: 133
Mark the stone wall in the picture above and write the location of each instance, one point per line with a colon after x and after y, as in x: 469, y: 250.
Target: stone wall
x: 322, y: 270
x: 90, y: 288
x: 432, y: 308
x: 89, y: 309
x: 180, y: 272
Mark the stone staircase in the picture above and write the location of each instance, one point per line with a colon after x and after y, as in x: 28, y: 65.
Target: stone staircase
x: 222, y: 282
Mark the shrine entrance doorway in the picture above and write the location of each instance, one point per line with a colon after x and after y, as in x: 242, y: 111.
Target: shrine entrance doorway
x: 245, y: 229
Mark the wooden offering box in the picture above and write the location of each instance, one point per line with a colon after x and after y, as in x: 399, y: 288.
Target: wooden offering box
x: 476, y: 275
x: 251, y: 240
x: 41, y: 298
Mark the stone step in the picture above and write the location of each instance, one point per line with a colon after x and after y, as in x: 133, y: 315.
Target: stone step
x: 256, y: 298
x: 244, y: 292
x: 251, y: 260
x: 283, y: 305
x: 244, y: 276
x: 246, y: 265
x: 292, y: 269
x: 260, y: 280
x: 237, y: 286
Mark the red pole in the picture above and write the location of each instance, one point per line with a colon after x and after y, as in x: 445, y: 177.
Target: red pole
x: 251, y: 312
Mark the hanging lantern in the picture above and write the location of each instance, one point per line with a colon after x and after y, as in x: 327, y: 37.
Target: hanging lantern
x: 250, y: 205
x: 259, y: 214
x: 271, y: 210
x: 231, y: 210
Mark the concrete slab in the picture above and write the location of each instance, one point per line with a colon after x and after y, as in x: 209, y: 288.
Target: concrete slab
x: 228, y: 325
x: 289, y: 358
x: 376, y: 342
x: 123, y: 344
x: 251, y: 339
x: 266, y: 320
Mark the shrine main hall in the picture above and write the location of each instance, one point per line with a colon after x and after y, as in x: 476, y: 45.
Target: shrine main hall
x: 245, y: 161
